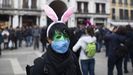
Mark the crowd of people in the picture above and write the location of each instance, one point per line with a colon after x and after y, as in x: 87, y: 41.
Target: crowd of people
x: 112, y: 39
x: 66, y: 51
x: 15, y: 38
x: 117, y: 43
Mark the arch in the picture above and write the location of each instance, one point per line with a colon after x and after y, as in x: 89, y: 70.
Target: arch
x: 59, y: 7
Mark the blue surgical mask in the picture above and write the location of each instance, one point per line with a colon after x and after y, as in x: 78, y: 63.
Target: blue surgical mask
x: 60, y: 46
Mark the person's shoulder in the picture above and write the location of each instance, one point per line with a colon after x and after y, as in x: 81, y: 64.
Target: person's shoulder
x: 38, y: 60
x: 84, y: 37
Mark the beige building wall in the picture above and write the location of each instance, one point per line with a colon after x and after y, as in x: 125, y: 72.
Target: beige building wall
x: 117, y: 6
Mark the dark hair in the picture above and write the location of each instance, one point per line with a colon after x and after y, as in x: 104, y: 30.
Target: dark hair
x: 90, y: 30
x: 61, y: 27
x: 129, y: 28
x: 121, y: 30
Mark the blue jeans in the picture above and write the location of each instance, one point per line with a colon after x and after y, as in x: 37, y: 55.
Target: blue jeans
x: 98, y: 46
x: 88, y: 66
x: 29, y: 40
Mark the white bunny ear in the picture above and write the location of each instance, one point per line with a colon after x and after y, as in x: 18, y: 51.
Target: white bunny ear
x: 67, y: 14
x: 50, y: 13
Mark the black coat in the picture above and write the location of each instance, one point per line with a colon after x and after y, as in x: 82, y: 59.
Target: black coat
x: 114, y: 43
x: 52, y: 63
x: 43, y: 38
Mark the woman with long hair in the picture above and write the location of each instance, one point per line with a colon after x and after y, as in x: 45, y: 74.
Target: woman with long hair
x: 87, y: 63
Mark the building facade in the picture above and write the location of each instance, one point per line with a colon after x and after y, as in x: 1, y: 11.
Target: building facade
x: 19, y: 12
x: 29, y: 12
x: 97, y: 11
x: 121, y: 12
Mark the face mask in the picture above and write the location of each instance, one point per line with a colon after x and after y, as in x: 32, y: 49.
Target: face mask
x: 60, y: 46
x: 60, y: 43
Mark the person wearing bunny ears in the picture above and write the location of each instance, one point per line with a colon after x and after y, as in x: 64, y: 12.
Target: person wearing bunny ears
x: 58, y: 59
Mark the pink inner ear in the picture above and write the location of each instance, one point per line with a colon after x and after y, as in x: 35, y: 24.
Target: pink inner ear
x: 67, y: 15
x: 50, y: 13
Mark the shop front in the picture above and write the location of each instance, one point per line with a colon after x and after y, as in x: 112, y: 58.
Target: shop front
x: 4, y: 21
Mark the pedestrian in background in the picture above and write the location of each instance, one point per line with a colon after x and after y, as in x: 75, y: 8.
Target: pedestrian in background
x: 1, y: 40
x: 87, y: 63
x: 78, y: 32
x: 129, y: 44
x: 43, y: 38
x: 5, y: 33
x: 116, y: 45
x: 36, y: 37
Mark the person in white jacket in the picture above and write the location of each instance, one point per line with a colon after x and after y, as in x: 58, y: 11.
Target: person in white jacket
x: 87, y: 64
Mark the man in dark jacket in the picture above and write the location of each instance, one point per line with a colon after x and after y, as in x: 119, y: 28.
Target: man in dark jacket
x: 116, y: 38
x: 58, y: 59
x: 129, y: 45
x: 43, y: 38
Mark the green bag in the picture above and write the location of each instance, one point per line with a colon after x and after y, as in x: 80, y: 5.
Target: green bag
x: 90, y: 49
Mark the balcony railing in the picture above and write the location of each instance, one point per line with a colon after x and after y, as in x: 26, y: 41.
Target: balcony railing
x: 100, y: 12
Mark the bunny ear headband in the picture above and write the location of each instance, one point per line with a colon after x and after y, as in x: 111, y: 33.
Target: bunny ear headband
x: 52, y: 15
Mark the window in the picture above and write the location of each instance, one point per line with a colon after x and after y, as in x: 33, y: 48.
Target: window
x: 126, y: 17
x: 121, y: 14
x: 113, y: 1
x: 125, y: 2
x: 131, y: 14
x: 7, y: 3
x: 79, y: 7
x: 85, y: 7
x: 120, y: 1
x: 103, y: 8
x: 100, y: 8
x: 97, y: 8
x: 34, y: 5
x: 25, y: 3
x: 113, y: 13
x: 131, y: 2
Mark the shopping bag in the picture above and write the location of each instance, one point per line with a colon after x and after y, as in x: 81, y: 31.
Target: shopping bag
x: 10, y: 44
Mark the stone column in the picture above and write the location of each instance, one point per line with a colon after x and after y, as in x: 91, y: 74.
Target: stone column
x: 43, y: 21
x: 72, y: 22
x: 0, y: 3
x: 20, y: 21
x: 21, y: 4
x: 37, y: 20
x: 38, y: 4
x: 43, y: 15
x: 15, y: 21
x: 10, y: 21
x: 16, y: 2
x: 29, y: 4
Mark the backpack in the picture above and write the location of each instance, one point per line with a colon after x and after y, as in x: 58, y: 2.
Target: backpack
x: 90, y: 50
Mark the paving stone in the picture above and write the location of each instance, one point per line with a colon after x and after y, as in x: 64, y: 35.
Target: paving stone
x: 5, y: 67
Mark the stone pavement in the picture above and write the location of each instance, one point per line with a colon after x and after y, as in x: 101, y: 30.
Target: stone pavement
x: 13, y: 62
